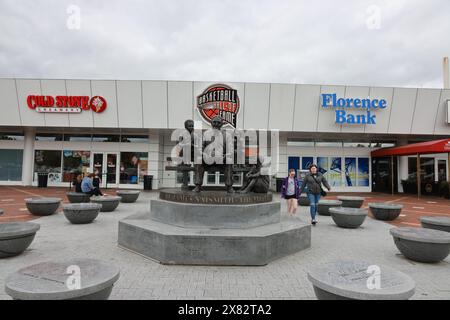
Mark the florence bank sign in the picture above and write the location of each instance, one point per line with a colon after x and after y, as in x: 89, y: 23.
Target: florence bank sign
x: 66, y: 104
x: 344, y: 107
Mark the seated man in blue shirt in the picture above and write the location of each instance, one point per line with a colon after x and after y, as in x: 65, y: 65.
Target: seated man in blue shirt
x: 88, y: 187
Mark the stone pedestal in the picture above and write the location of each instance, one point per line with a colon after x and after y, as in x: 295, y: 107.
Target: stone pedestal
x: 51, y: 280
x: 213, y: 228
x: 351, y: 280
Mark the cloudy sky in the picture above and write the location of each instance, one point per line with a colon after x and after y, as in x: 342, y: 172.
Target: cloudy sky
x: 385, y: 43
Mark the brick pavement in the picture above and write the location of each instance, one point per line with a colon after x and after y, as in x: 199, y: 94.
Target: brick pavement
x: 285, y: 278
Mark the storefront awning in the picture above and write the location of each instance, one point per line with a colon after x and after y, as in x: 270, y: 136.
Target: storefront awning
x: 436, y: 146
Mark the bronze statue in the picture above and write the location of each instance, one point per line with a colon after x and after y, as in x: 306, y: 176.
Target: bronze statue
x: 256, y: 181
x: 199, y: 169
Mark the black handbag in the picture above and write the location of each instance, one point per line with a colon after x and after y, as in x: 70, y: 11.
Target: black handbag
x: 323, y: 193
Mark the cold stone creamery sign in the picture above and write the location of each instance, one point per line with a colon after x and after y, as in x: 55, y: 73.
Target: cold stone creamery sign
x: 344, y: 106
x: 219, y: 99
x: 66, y: 104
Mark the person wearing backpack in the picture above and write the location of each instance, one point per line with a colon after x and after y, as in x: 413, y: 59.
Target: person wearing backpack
x: 313, y: 184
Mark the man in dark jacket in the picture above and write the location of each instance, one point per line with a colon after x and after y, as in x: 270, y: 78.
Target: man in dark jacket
x: 313, y: 184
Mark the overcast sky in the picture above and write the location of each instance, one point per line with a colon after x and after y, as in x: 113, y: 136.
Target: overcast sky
x: 383, y: 43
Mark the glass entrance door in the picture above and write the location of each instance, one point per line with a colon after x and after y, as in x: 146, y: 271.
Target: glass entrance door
x: 104, y: 166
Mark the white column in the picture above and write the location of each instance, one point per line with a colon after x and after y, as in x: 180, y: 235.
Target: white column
x: 28, y: 157
x: 402, y: 166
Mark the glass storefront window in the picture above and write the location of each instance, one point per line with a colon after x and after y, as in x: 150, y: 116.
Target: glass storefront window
x: 306, y: 162
x: 300, y: 143
x: 105, y: 138
x: 426, y: 169
x: 75, y: 163
x: 12, y: 136
x: 350, y: 171
x: 78, y: 137
x: 48, y: 161
x: 329, y: 144
x: 134, y: 139
x: 133, y: 167
x: 363, y: 172
x: 442, y: 170
x: 48, y: 137
x: 11, y: 165
x: 335, y: 172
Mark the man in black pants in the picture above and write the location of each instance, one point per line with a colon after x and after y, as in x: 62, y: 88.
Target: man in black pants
x: 88, y: 187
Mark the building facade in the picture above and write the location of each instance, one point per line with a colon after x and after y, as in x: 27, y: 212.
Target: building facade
x: 122, y: 128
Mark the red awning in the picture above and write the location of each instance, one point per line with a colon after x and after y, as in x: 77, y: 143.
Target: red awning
x: 436, y: 146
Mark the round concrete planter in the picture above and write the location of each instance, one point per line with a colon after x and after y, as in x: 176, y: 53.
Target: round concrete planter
x: 421, y: 244
x: 81, y: 213
x: 324, y: 206
x: 441, y: 223
x: 78, y: 197
x: 303, y: 200
x: 15, y: 237
x: 108, y: 203
x: 348, y: 280
x: 385, y: 211
x: 128, y: 196
x: 42, y: 206
x: 47, y: 281
x: 348, y: 217
x: 351, y: 202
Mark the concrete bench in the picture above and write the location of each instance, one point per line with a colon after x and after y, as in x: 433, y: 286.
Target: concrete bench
x: 324, y: 206
x: 81, y: 213
x: 128, y: 196
x: 58, y: 281
x: 441, y: 223
x: 78, y: 197
x: 348, y: 217
x: 15, y: 237
x: 303, y: 200
x: 385, y: 211
x: 421, y: 244
x: 42, y: 206
x: 108, y: 204
x: 351, y: 202
x: 350, y: 280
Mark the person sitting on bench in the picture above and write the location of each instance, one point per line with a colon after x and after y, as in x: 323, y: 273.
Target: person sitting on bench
x: 88, y: 187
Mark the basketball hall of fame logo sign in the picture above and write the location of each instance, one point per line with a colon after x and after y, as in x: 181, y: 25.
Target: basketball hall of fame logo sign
x: 221, y: 100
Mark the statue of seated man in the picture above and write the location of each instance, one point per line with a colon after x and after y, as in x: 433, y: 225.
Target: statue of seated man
x: 256, y: 181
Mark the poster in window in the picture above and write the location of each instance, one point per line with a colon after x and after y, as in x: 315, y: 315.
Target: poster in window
x: 350, y: 171
x: 306, y: 162
x: 322, y: 165
x: 334, y: 175
x: 363, y: 172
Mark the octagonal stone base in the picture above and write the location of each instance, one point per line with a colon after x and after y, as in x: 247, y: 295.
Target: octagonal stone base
x: 171, y: 244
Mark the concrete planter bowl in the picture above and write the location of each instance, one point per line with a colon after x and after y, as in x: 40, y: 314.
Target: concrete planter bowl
x: 385, y: 211
x: 351, y: 202
x: 78, y: 197
x: 441, y: 223
x: 325, y: 205
x: 348, y: 280
x: 128, y: 196
x: 81, y: 213
x: 15, y: 237
x: 47, y: 281
x: 108, y: 204
x: 42, y: 206
x: 348, y: 217
x: 303, y: 201
x: 421, y: 244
